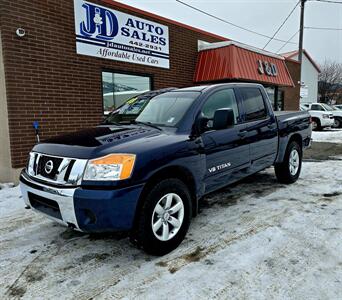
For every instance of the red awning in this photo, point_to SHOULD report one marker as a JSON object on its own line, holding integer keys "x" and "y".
{"x": 234, "y": 61}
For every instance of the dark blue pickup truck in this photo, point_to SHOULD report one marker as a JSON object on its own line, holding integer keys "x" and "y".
{"x": 147, "y": 176}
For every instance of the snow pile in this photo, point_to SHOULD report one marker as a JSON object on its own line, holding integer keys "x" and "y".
{"x": 10, "y": 200}
{"x": 6, "y": 185}
{"x": 328, "y": 135}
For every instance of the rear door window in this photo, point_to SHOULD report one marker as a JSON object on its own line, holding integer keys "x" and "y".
{"x": 254, "y": 104}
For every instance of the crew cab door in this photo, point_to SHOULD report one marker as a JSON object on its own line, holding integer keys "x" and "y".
{"x": 261, "y": 128}
{"x": 227, "y": 153}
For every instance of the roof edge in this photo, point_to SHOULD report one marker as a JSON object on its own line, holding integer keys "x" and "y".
{"x": 306, "y": 53}
{"x": 292, "y": 60}
{"x": 164, "y": 19}
{"x": 211, "y": 46}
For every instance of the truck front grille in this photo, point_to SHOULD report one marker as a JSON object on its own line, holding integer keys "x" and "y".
{"x": 57, "y": 170}
{"x": 53, "y": 163}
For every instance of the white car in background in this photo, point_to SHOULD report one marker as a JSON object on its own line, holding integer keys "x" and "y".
{"x": 320, "y": 119}
{"x": 338, "y": 106}
{"x": 325, "y": 108}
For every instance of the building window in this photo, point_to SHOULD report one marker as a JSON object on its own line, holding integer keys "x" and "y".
{"x": 270, "y": 90}
{"x": 118, "y": 87}
{"x": 276, "y": 97}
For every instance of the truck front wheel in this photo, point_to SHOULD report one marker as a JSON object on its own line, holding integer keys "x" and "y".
{"x": 164, "y": 217}
{"x": 316, "y": 124}
{"x": 288, "y": 171}
{"x": 337, "y": 123}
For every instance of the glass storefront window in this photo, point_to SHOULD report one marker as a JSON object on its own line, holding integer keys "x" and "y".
{"x": 118, "y": 87}
{"x": 271, "y": 95}
{"x": 276, "y": 97}
{"x": 280, "y": 100}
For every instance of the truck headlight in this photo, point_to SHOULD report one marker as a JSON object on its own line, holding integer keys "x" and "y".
{"x": 326, "y": 116}
{"x": 110, "y": 167}
{"x": 30, "y": 164}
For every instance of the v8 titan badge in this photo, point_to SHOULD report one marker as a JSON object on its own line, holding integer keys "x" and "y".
{"x": 219, "y": 167}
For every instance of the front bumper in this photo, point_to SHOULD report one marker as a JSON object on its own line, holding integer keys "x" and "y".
{"x": 83, "y": 209}
{"x": 327, "y": 122}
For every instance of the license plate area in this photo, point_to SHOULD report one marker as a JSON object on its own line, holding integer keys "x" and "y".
{"x": 44, "y": 205}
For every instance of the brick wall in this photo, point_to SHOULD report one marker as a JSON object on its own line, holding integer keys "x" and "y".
{"x": 292, "y": 95}
{"x": 47, "y": 81}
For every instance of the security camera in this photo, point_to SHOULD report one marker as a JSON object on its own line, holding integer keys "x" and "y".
{"x": 20, "y": 32}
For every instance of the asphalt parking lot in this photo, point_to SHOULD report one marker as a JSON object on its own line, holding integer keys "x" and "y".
{"x": 254, "y": 240}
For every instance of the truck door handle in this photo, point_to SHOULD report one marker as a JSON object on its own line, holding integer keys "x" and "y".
{"x": 270, "y": 126}
{"x": 242, "y": 134}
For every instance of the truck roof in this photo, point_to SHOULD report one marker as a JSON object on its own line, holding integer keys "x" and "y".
{"x": 201, "y": 88}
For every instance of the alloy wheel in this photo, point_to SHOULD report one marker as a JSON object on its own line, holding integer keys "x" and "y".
{"x": 167, "y": 217}
{"x": 294, "y": 162}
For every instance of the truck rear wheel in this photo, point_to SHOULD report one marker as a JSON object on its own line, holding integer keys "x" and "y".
{"x": 289, "y": 170}
{"x": 164, "y": 217}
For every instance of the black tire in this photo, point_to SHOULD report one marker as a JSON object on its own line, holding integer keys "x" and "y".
{"x": 282, "y": 170}
{"x": 143, "y": 235}
{"x": 318, "y": 126}
{"x": 337, "y": 123}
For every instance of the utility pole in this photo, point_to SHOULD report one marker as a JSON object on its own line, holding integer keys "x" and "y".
{"x": 301, "y": 30}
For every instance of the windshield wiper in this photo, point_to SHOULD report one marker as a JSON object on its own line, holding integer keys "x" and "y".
{"x": 107, "y": 122}
{"x": 146, "y": 124}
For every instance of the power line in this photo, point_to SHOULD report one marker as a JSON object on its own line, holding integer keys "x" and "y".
{"x": 230, "y": 23}
{"x": 322, "y": 28}
{"x": 328, "y": 1}
{"x": 306, "y": 27}
{"x": 282, "y": 24}
{"x": 288, "y": 41}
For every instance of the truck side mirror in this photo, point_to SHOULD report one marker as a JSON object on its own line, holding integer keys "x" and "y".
{"x": 223, "y": 118}
{"x": 201, "y": 124}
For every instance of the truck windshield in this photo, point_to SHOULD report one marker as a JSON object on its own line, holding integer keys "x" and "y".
{"x": 127, "y": 112}
{"x": 167, "y": 109}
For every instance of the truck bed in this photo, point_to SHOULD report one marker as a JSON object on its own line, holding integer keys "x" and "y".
{"x": 292, "y": 123}
{"x": 292, "y": 120}
{"x": 281, "y": 115}
{"x": 288, "y": 118}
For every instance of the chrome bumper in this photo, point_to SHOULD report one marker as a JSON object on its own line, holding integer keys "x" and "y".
{"x": 63, "y": 197}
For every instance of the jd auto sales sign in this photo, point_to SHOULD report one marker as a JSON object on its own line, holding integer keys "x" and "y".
{"x": 111, "y": 34}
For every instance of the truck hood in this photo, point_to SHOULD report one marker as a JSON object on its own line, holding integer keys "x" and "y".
{"x": 84, "y": 143}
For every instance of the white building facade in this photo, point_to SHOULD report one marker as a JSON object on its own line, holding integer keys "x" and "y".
{"x": 309, "y": 77}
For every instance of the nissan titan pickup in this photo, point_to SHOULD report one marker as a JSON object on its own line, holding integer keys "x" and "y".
{"x": 147, "y": 175}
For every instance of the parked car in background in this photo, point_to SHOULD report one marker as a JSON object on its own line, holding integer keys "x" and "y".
{"x": 320, "y": 119}
{"x": 337, "y": 114}
{"x": 338, "y": 106}
{"x": 148, "y": 176}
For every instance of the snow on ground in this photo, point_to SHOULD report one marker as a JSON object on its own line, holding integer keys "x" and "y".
{"x": 328, "y": 135}
{"x": 255, "y": 240}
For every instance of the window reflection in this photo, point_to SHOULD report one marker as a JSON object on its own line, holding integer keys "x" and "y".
{"x": 117, "y": 88}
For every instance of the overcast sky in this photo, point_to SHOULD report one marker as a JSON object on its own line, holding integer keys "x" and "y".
{"x": 263, "y": 16}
